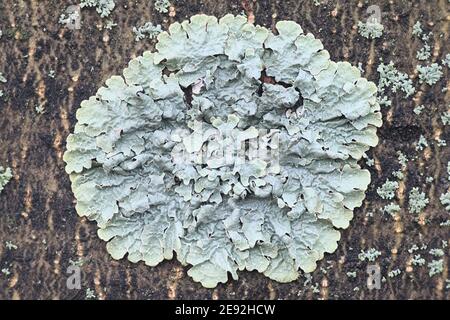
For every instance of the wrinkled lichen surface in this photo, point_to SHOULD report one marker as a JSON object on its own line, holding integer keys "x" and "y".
{"x": 149, "y": 159}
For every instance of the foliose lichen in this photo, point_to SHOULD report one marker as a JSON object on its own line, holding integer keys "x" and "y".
{"x": 429, "y": 74}
{"x": 103, "y": 7}
{"x": 148, "y": 30}
{"x": 445, "y": 200}
{"x": 162, "y": 6}
{"x": 392, "y": 78}
{"x": 387, "y": 190}
{"x": 371, "y": 29}
{"x": 231, "y": 146}
{"x": 417, "y": 200}
{"x": 5, "y": 177}
{"x": 370, "y": 255}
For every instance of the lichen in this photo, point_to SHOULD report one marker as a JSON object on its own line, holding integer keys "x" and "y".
{"x": 351, "y": 274}
{"x": 371, "y": 29}
{"x": 390, "y": 77}
{"x": 417, "y": 200}
{"x": 90, "y": 294}
{"x": 387, "y": 190}
{"x": 418, "y": 260}
{"x": 424, "y": 53}
{"x": 392, "y": 209}
{"x": 445, "y": 200}
{"x": 5, "y": 177}
{"x": 103, "y": 7}
{"x": 394, "y": 273}
{"x": 429, "y": 74}
{"x": 446, "y": 60}
{"x": 2, "y": 80}
{"x": 148, "y": 30}
{"x": 162, "y": 6}
{"x": 445, "y": 118}
{"x": 437, "y": 252}
{"x": 435, "y": 267}
{"x": 10, "y": 246}
{"x": 402, "y": 159}
{"x": 417, "y": 29}
{"x": 69, "y": 17}
{"x": 149, "y": 158}
{"x": 422, "y": 143}
{"x": 370, "y": 255}
{"x": 418, "y": 109}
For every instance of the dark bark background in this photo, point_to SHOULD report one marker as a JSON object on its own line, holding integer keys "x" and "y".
{"x": 37, "y": 210}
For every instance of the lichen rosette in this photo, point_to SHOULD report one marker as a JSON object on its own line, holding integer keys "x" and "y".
{"x": 149, "y": 159}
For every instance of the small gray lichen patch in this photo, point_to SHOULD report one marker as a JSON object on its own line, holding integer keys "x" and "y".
{"x": 5, "y": 177}
{"x": 387, "y": 190}
{"x": 417, "y": 200}
{"x": 103, "y": 7}
{"x": 162, "y": 6}
{"x": 445, "y": 200}
{"x": 392, "y": 78}
{"x": 371, "y": 29}
{"x": 148, "y": 30}
{"x": 429, "y": 74}
{"x": 231, "y": 146}
{"x": 370, "y": 255}
{"x": 2, "y": 80}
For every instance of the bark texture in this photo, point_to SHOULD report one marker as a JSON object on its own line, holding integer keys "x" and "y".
{"x": 37, "y": 211}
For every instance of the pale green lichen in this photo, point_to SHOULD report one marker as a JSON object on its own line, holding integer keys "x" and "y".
{"x": 398, "y": 174}
{"x": 90, "y": 294}
{"x": 5, "y": 177}
{"x": 417, "y": 200}
{"x": 392, "y": 209}
{"x": 148, "y": 30}
{"x": 437, "y": 252}
{"x": 402, "y": 159}
{"x": 103, "y": 7}
{"x": 388, "y": 189}
{"x": 417, "y": 29}
{"x": 445, "y": 223}
{"x": 429, "y": 74}
{"x": 445, "y": 118}
{"x": 418, "y": 109}
{"x": 435, "y": 267}
{"x": 371, "y": 29}
{"x": 162, "y": 6}
{"x": 351, "y": 274}
{"x": 390, "y": 77}
{"x": 6, "y": 271}
{"x": 441, "y": 142}
{"x": 10, "y": 246}
{"x": 394, "y": 273}
{"x": 418, "y": 260}
{"x": 413, "y": 248}
{"x": 69, "y": 17}
{"x": 446, "y": 60}
{"x": 424, "y": 53}
{"x": 448, "y": 170}
{"x": 147, "y": 159}
{"x": 2, "y": 80}
{"x": 445, "y": 200}
{"x": 422, "y": 143}
{"x": 429, "y": 179}
{"x": 370, "y": 255}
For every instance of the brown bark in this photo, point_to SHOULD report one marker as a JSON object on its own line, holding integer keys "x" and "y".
{"x": 37, "y": 210}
